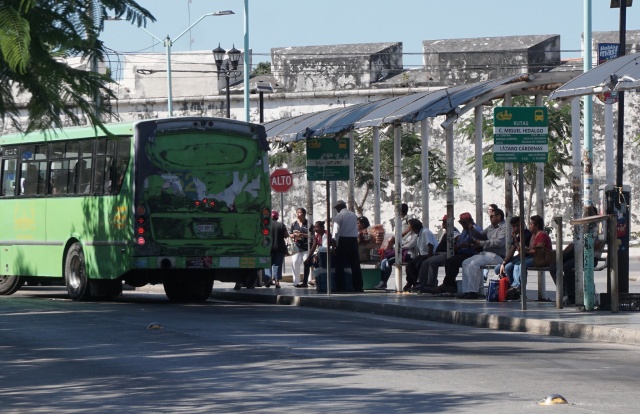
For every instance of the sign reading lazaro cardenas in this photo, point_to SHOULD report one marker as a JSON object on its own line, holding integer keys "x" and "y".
{"x": 328, "y": 159}
{"x": 520, "y": 134}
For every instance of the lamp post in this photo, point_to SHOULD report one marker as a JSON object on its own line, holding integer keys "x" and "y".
{"x": 619, "y": 200}
{"x": 168, "y": 42}
{"x": 262, "y": 88}
{"x": 622, "y": 5}
{"x": 234, "y": 57}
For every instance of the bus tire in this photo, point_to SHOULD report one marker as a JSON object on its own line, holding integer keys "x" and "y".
{"x": 175, "y": 288}
{"x": 75, "y": 274}
{"x": 10, "y": 284}
{"x": 199, "y": 288}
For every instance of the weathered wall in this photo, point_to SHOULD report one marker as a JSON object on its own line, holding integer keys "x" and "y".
{"x": 335, "y": 67}
{"x": 457, "y": 61}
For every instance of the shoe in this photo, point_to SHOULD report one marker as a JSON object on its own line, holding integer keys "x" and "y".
{"x": 442, "y": 289}
{"x": 417, "y": 288}
{"x": 407, "y": 287}
{"x": 268, "y": 283}
{"x": 301, "y": 285}
{"x": 312, "y": 283}
{"x": 513, "y": 293}
{"x": 469, "y": 295}
{"x": 238, "y": 286}
{"x": 381, "y": 286}
{"x": 278, "y": 286}
{"x": 427, "y": 289}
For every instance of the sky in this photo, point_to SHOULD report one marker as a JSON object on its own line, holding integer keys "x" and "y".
{"x": 278, "y": 23}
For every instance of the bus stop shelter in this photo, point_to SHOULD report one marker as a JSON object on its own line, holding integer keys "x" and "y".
{"x": 449, "y": 103}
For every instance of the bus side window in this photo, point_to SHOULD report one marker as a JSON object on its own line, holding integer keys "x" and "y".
{"x": 59, "y": 177}
{"x": 8, "y": 178}
{"x": 29, "y": 179}
{"x": 82, "y": 177}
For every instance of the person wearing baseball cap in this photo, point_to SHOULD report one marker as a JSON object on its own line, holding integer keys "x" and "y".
{"x": 279, "y": 233}
{"x": 346, "y": 238}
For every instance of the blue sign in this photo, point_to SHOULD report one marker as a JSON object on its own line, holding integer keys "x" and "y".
{"x": 607, "y": 51}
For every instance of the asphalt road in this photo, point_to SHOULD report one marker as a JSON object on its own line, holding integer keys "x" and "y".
{"x": 61, "y": 356}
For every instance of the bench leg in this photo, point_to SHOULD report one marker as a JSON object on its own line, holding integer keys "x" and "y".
{"x": 542, "y": 286}
{"x": 398, "y": 270}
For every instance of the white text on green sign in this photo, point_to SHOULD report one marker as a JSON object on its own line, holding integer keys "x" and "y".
{"x": 328, "y": 159}
{"x": 520, "y": 134}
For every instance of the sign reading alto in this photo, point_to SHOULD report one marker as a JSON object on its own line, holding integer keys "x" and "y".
{"x": 328, "y": 159}
{"x": 520, "y": 134}
{"x": 281, "y": 180}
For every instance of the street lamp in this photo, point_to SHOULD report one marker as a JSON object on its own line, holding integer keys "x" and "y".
{"x": 234, "y": 57}
{"x": 623, "y": 248}
{"x": 262, "y": 88}
{"x": 622, "y": 5}
{"x": 168, "y": 42}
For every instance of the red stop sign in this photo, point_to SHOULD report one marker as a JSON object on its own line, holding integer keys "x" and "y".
{"x": 281, "y": 180}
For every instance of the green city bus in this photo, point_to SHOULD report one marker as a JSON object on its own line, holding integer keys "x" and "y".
{"x": 178, "y": 201}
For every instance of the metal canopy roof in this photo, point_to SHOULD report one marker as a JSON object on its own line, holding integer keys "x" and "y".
{"x": 407, "y": 108}
{"x": 615, "y": 75}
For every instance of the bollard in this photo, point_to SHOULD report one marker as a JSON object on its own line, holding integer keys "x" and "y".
{"x": 398, "y": 269}
{"x": 559, "y": 264}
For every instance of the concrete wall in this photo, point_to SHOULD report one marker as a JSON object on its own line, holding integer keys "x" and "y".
{"x": 336, "y": 67}
{"x": 458, "y": 61}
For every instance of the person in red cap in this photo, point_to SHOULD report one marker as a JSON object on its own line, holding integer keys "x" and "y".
{"x": 464, "y": 248}
{"x": 279, "y": 233}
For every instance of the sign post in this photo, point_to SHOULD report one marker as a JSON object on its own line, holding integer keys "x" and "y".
{"x": 521, "y": 134}
{"x": 328, "y": 160}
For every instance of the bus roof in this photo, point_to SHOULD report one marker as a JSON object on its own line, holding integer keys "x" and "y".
{"x": 120, "y": 128}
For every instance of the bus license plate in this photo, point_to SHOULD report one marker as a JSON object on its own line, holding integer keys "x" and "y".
{"x": 206, "y": 228}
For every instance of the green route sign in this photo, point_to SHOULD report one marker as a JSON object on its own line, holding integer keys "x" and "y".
{"x": 328, "y": 159}
{"x": 520, "y": 134}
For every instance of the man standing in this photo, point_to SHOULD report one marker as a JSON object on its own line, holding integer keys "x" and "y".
{"x": 346, "y": 238}
{"x": 492, "y": 240}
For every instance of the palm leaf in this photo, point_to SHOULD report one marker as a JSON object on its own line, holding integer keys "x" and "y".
{"x": 14, "y": 39}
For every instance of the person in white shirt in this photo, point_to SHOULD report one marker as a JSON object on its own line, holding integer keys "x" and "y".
{"x": 346, "y": 239}
{"x": 425, "y": 246}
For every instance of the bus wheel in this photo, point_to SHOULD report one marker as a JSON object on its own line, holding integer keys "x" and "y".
{"x": 175, "y": 289}
{"x": 75, "y": 274}
{"x": 200, "y": 288}
{"x": 10, "y": 284}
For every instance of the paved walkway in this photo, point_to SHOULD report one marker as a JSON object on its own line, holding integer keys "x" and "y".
{"x": 541, "y": 317}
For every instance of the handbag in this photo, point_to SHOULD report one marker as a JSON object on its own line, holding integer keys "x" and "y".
{"x": 292, "y": 247}
{"x": 543, "y": 257}
{"x": 493, "y": 289}
{"x": 504, "y": 285}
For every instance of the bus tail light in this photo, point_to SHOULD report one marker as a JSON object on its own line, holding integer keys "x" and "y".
{"x": 141, "y": 225}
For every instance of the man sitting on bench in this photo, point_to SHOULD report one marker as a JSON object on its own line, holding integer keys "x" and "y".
{"x": 492, "y": 241}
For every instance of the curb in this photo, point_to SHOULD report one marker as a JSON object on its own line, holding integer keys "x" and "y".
{"x": 504, "y": 323}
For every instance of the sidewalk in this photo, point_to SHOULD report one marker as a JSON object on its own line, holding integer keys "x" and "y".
{"x": 540, "y": 318}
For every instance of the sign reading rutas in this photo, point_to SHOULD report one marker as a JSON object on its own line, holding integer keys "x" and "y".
{"x": 328, "y": 159}
{"x": 520, "y": 134}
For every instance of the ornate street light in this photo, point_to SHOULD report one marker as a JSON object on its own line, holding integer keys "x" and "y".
{"x": 234, "y": 57}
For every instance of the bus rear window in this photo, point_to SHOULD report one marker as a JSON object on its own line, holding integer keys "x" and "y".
{"x": 211, "y": 152}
